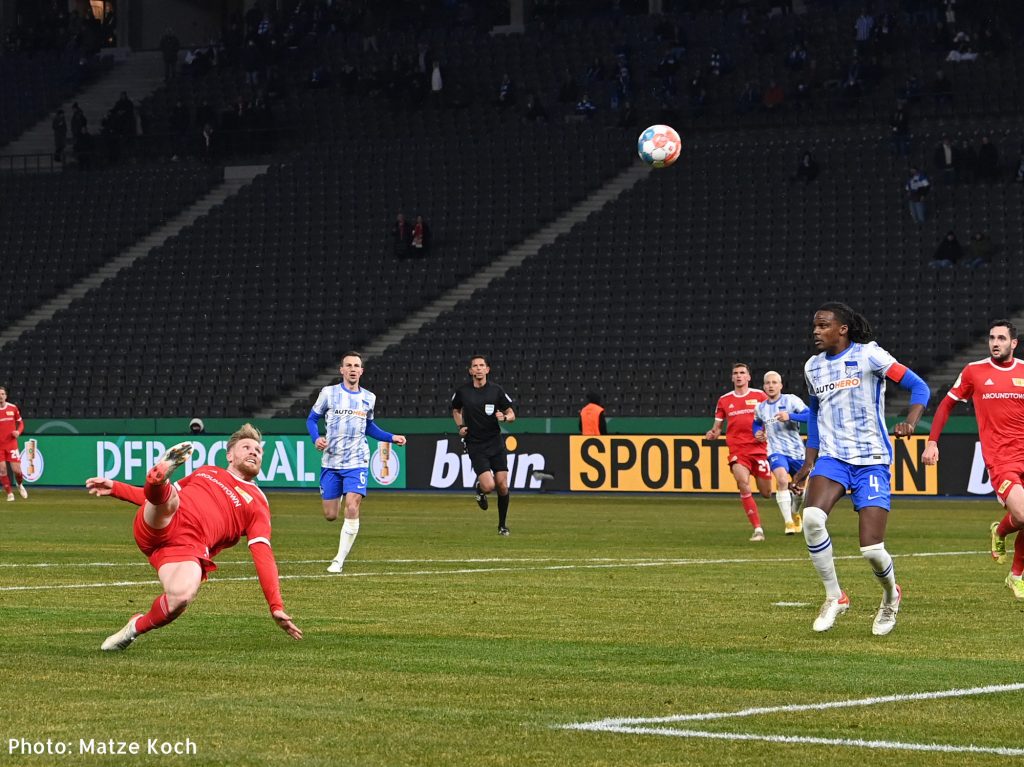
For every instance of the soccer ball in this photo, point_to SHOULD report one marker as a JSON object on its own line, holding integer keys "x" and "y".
{"x": 659, "y": 146}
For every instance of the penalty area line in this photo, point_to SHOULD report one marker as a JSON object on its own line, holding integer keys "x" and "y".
{"x": 603, "y": 724}
{"x": 889, "y": 745}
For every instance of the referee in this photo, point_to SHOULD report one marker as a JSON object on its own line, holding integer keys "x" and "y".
{"x": 478, "y": 408}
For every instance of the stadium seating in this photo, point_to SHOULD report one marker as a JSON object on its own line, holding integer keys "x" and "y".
{"x": 59, "y": 228}
{"x": 271, "y": 286}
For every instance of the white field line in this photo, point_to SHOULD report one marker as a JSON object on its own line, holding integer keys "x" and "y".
{"x": 469, "y": 560}
{"x": 643, "y": 726}
{"x": 890, "y": 745}
{"x": 603, "y": 564}
{"x": 824, "y": 706}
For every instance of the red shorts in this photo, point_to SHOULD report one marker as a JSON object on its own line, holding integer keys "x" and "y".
{"x": 9, "y": 454}
{"x": 756, "y": 463}
{"x": 1003, "y": 477}
{"x": 180, "y": 541}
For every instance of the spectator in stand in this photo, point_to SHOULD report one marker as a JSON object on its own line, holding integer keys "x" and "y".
{"x": 987, "y": 168}
{"x": 208, "y": 140}
{"x": 899, "y": 125}
{"x": 911, "y": 90}
{"x": 251, "y": 63}
{"x": 698, "y": 96}
{"x": 863, "y": 28}
{"x": 716, "y": 63}
{"x": 585, "y": 108}
{"x": 506, "y": 91}
{"x": 123, "y": 116}
{"x": 962, "y": 50}
{"x": 401, "y": 234}
{"x": 966, "y": 162}
{"x": 627, "y": 115}
{"x": 945, "y": 159}
{"x": 796, "y": 59}
{"x": 436, "y": 83}
{"x": 419, "y": 242}
{"x": 750, "y": 98}
{"x": 807, "y": 169}
{"x": 1018, "y": 177}
{"x": 78, "y": 122}
{"x": 534, "y": 110}
{"x": 60, "y": 135}
{"x": 885, "y": 33}
{"x": 990, "y": 41}
{"x": 568, "y": 91}
{"x": 773, "y": 97}
{"x": 948, "y": 253}
{"x": 595, "y": 72}
{"x": 979, "y": 251}
{"x": 206, "y": 114}
{"x": 181, "y": 124}
{"x": 170, "y": 45}
{"x": 801, "y": 94}
{"x": 917, "y": 187}
{"x": 942, "y": 89}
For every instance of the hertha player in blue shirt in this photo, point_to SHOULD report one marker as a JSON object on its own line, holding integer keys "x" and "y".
{"x": 348, "y": 410}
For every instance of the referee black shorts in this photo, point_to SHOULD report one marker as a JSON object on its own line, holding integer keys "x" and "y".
{"x": 488, "y": 456}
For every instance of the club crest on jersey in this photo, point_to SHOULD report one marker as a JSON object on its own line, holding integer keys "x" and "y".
{"x": 489, "y": 409}
{"x": 750, "y": 402}
{"x": 245, "y": 495}
{"x": 1018, "y": 381}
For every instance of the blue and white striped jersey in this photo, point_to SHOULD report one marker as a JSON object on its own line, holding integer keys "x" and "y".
{"x": 783, "y": 436}
{"x": 346, "y": 413}
{"x": 850, "y": 389}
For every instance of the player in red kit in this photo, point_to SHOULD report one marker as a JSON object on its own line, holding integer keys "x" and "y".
{"x": 181, "y": 527}
{"x": 996, "y": 386}
{"x": 11, "y": 427}
{"x": 747, "y": 457}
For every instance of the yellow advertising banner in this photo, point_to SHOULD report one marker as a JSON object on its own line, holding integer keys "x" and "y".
{"x": 692, "y": 464}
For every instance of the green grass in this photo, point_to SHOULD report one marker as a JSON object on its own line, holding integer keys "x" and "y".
{"x": 411, "y": 660}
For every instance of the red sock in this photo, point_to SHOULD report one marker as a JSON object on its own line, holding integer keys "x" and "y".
{"x": 19, "y": 478}
{"x": 1017, "y": 568}
{"x": 6, "y": 482}
{"x": 750, "y": 508}
{"x": 157, "y": 494}
{"x": 158, "y": 615}
{"x": 1006, "y": 526}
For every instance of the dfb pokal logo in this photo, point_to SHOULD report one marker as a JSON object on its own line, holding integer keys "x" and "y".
{"x": 384, "y": 464}
{"x": 32, "y": 461}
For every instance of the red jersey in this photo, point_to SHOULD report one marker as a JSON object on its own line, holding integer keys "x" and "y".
{"x": 11, "y": 426}
{"x": 222, "y": 508}
{"x": 998, "y": 395}
{"x": 738, "y": 413}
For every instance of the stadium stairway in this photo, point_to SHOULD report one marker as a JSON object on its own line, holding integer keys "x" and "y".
{"x": 138, "y": 74}
{"x": 299, "y": 395}
{"x": 235, "y": 178}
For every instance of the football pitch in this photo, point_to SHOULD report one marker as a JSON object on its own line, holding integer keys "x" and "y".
{"x": 606, "y": 630}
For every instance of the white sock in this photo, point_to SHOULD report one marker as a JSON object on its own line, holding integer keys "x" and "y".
{"x": 785, "y": 500}
{"x": 349, "y": 531}
{"x": 881, "y": 564}
{"x": 819, "y": 546}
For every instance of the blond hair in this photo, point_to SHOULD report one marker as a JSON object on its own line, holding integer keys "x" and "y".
{"x": 245, "y": 431}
